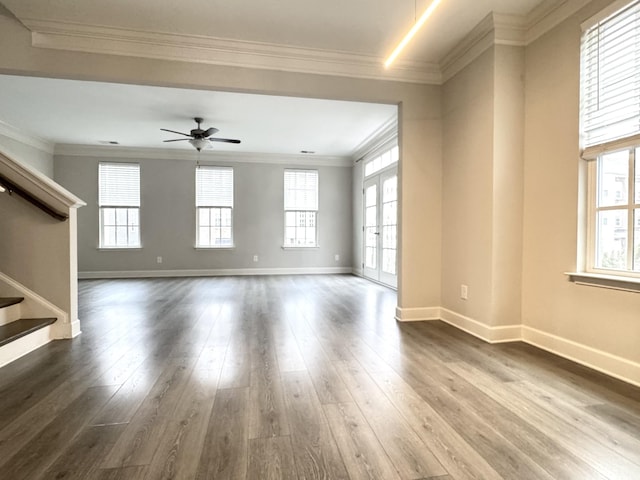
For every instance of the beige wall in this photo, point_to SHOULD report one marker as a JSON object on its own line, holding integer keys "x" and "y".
{"x": 514, "y": 204}
{"x": 508, "y": 181}
{"x": 467, "y": 200}
{"x": 33, "y": 243}
{"x": 482, "y": 187}
{"x": 606, "y": 320}
{"x": 420, "y": 129}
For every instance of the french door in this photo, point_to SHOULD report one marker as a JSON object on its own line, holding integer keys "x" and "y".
{"x": 381, "y": 227}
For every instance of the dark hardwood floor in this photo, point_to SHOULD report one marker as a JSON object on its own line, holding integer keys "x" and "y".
{"x": 305, "y": 377}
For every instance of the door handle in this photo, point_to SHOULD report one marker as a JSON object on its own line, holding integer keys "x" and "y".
{"x": 376, "y": 233}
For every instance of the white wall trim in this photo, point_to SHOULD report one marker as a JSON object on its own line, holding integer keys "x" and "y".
{"x": 420, "y": 314}
{"x": 490, "y": 334}
{"x": 383, "y": 135}
{"x": 222, "y": 272}
{"x": 599, "y": 360}
{"x": 113, "y": 152}
{"x": 26, "y": 139}
{"x": 72, "y": 329}
{"x": 220, "y": 51}
{"x": 496, "y": 28}
{"x": 27, "y": 344}
{"x": 501, "y": 29}
{"x": 549, "y": 14}
{"x": 38, "y": 183}
{"x": 474, "y": 44}
{"x": 33, "y": 304}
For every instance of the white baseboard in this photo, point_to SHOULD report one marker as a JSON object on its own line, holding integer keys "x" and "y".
{"x": 598, "y": 360}
{"x": 213, "y": 273}
{"x": 604, "y": 362}
{"x": 417, "y": 314}
{"x": 507, "y": 333}
{"x": 66, "y": 330}
{"x": 21, "y": 346}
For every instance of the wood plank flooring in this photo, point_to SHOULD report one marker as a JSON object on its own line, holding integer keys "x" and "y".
{"x": 305, "y": 377}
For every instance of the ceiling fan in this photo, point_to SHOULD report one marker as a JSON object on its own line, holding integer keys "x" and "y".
{"x": 200, "y": 138}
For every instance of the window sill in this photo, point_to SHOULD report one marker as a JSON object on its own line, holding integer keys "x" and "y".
{"x": 615, "y": 282}
{"x": 118, "y": 249}
{"x": 317, "y": 247}
{"x": 230, "y": 247}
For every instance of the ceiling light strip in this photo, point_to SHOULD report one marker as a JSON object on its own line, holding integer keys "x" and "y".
{"x": 427, "y": 13}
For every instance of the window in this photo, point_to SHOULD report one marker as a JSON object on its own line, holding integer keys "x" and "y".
{"x": 119, "y": 205}
{"x": 610, "y": 124}
{"x": 379, "y": 162}
{"x": 615, "y": 246}
{"x": 214, "y": 207}
{"x": 300, "y": 208}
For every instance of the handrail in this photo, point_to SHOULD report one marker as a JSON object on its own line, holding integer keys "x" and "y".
{"x": 13, "y": 188}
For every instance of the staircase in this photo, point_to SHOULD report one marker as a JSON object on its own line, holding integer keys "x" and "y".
{"x": 17, "y": 333}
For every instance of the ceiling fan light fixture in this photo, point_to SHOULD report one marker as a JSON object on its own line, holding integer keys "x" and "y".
{"x": 407, "y": 38}
{"x": 199, "y": 143}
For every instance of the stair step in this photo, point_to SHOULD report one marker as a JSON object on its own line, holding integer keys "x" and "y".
{"x": 14, "y": 330}
{"x": 8, "y": 301}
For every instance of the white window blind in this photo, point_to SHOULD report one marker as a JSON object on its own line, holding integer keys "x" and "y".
{"x": 214, "y": 187}
{"x": 119, "y": 185}
{"x": 301, "y": 190}
{"x": 610, "y": 79}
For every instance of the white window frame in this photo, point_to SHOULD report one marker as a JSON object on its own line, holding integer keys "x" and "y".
{"x": 215, "y": 209}
{"x": 382, "y": 159}
{"x": 630, "y": 207}
{"x": 119, "y": 208}
{"x": 605, "y": 142}
{"x": 296, "y": 212}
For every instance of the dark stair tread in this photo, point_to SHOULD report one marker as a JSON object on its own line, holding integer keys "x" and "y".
{"x": 14, "y": 330}
{"x": 8, "y": 301}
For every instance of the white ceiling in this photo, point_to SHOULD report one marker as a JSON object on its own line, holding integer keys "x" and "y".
{"x": 88, "y": 113}
{"x": 371, "y": 27}
{"x": 74, "y": 112}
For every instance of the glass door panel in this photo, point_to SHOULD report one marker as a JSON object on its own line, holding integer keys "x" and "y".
{"x": 371, "y": 233}
{"x": 389, "y": 222}
{"x": 381, "y": 227}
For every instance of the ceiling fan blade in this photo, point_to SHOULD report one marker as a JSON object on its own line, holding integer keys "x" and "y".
{"x": 176, "y": 140}
{"x": 173, "y": 131}
{"x": 224, "y": 140}
{"x": 210, "y": 131}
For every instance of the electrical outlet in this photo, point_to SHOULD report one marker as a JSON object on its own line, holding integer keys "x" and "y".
{"x": 159, "y": 259}
{"x": 255, "y": 258}
{"x": 336, "y": 257}
{"x": 464, "y": 292}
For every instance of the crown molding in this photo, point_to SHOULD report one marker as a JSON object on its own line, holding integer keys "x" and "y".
{"x": 119, "y": 152}
{"x": 219, "y": 51}
{"x": 476, "y": 42}
{"x": 549, "y": 14}
{"x": 26, "y": 139}
{"x": 494, "y": 29}
{"x": 383, "y": 135}
{"x": 513, "y": 30}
